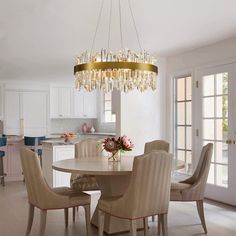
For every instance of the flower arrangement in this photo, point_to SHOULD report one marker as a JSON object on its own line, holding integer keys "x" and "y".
{"x": 116, "y": 145}
{"x": 68, "y": 136}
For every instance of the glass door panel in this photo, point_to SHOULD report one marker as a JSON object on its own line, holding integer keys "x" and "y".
{"x": 217, "y": 121}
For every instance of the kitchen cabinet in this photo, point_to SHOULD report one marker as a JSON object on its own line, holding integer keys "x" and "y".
{"x": 12, "y": 115}
{"x": 52, "y": 153}
{"x": 25, "y": 113}
{"x": 34, "y": 113}
{"x": 85, "y": 104}
{"x": 60, "y": 102}
{"x": 11, "y": 161}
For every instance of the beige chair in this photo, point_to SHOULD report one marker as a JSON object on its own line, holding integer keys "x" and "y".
{"x": 84, "y": 149}
{"x": 193, "y": 188}
{"x": 156, "y": 145}
{"x": 148, "y": 193}
{"x": 40, "y": 195}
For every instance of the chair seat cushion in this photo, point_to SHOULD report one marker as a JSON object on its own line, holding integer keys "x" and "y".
{"x": 105, "y": 204}
{"x": 2, "y": 153}
{"x": 176, "y": 190}
{"x": 84, "y": 182}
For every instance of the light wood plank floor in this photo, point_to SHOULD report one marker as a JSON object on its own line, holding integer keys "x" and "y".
{"x": 183, "y": 218}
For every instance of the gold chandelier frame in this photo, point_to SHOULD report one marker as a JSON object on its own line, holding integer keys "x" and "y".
{"x": 133, "y": 66}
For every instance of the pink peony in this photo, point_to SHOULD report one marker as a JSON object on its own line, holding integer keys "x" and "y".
{"x": 127, "y": 143}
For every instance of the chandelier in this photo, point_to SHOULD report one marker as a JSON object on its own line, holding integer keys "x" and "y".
{"x": 123, "y": 71}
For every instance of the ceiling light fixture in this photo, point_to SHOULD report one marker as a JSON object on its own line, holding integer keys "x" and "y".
{"x": 124, "y": 71}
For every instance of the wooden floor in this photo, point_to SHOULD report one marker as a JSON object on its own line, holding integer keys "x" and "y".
{"x": 183, "y": 218}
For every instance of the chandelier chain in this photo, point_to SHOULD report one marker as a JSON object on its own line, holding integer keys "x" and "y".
{"x": 121, "y": 33}
{"x": 135, "y": 27}
{"x": 98, "y": 22}
{"x": 109, "y": 28}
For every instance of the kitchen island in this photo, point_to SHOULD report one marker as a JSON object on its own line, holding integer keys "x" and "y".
{"x": 57, "y": 150}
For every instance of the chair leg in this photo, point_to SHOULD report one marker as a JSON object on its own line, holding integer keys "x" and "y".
{"x": 200, "y": 209}
{"x": 43, "y": 218}
{"x": 164, "y": 225}
{"x": 73, "y": 214}
{"x": 159, "y": 225}
{"x": 30, "y": 219}
{"x": 87, "y": 218}
{"x": 145, "y": 225}
{"x": 3, "y": 181}
{"x": 101, "y": 217}
{"x": 133, "y": 227}
{"x": 66, "y": 217}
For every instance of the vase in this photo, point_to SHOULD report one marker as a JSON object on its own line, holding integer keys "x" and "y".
{"x": 115, "y": 157}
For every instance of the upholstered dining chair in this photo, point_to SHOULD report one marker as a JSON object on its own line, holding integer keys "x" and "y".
{"x": 193, "y": 188}
{"x": 148, "y": 193}
{"x": 156, "y": 145}
{"x": 40, "y": 195}
{"x": 85, "y": 149}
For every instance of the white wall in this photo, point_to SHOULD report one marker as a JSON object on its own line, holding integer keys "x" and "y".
{"x": 219, "y": 53}
{"x": 142, "y": 115}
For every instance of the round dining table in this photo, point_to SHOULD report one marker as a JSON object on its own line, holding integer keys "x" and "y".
{"x": 113, "y": 180}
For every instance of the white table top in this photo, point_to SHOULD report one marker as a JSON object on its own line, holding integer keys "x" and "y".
{"x": 101, "y": 166}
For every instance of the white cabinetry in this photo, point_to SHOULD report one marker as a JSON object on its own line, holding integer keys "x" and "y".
{"x": 34, "y": 113}
{"x": 12, "y": 163}
{"x": 52, "y": 153}
{"x": 60, "y": 102}
{"x": 12, "y": 121}
{"x": 85, "y": 104}
{"x": 25, "y": 113}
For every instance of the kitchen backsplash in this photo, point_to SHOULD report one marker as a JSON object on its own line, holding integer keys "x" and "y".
{"x": 70, "y": 125}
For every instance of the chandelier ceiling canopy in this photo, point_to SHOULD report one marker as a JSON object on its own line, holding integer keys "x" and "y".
{"x": 123, "y": 71}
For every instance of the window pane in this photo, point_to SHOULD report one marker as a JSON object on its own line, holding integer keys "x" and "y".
{"x": 222, "y": 83}
{"x": 221, "y": 129}
{"x": 113, "y": 118}
{"x": 222, "y": 106}
{"x": 181, "y": 89}
{"x": 208, "y": 85}
{"x": 108, "y": 96}
{"x": 108, "y": 105}
{"x": 208, "y": 129}
{"x": 189, "y": 88}
{"x": 189, "y": 113}
{"x": 189, "y": 157}
{"x": 221, "y": 152}
{"x": 181, "y": 138}
{"x": 108, "y": 116}
{"x": 208, "y": 107}
{"x": 181, "y": 113}
{"x": 189, "y": 138}
{"x": 222, "y": 175}
{"x": 211, "y": 175}
{"x": 181, "y": 155}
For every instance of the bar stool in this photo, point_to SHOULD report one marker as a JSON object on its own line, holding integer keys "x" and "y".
{"x": 3, "y": 142}
{"x": 34, "y": 143}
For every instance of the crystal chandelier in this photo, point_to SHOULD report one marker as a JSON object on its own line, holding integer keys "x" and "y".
{"x": 123, "y": 71}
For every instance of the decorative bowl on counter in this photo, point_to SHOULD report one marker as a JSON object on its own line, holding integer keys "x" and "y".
{"x": 68, "y": 137}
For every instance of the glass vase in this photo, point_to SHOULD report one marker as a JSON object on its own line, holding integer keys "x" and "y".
{"x": 115, "y": 157}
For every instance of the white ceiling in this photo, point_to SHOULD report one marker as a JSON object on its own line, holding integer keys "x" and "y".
{"x": 40, "y": 38}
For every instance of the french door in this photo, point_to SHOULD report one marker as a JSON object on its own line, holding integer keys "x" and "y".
{"x": 216, "y": 123}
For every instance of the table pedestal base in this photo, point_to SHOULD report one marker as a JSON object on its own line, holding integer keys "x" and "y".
{"x": 112, "y": 186}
